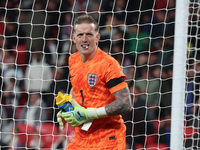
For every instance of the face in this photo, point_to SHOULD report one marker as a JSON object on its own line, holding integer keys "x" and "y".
{"x": 86, "y": 38}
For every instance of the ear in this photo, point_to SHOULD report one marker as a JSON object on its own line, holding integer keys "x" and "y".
{"x": 98, "y": 38}
{"x": 73, "y": 38}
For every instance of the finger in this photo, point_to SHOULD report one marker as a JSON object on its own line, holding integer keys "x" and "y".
{"x": 66, "y": 115}
{"x": 71, "y": 121}
{"x": 74, "y": 124}
{"x": 59, "y": 119}
{"x": 59, "y": 114}
{"x": 60, "y": 123}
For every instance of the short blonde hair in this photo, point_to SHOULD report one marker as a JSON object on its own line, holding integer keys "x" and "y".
{"x": 86, "y": 19}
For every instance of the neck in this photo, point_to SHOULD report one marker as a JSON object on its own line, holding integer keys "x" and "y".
{"x": 87, "y": 57}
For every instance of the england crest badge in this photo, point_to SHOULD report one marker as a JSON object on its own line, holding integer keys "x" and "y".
{"x": 92, "y": 79}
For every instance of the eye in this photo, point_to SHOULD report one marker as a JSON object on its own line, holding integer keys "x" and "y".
{"x": 79, "y": 35}
{"x": 89, "y": 34}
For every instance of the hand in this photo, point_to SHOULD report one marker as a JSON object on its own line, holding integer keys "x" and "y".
{"x": 78, "y": 116}
{"x": 60, "y": 120}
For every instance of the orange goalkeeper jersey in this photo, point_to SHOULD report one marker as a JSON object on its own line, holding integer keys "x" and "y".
{"x": 89, "y": 81}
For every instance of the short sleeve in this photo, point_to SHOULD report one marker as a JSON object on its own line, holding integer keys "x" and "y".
{"x": 114, "y": 71}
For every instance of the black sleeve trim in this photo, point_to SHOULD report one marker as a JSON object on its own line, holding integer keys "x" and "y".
{"x": 114, "y": 82}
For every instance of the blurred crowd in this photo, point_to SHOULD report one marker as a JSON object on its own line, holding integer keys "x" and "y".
{"x": 35, "y": 43}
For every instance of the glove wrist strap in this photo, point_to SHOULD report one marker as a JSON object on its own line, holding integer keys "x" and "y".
{"x": 96, "y": 112}
{"x": 91, "y": 113}
{"x": 101, "y": 112}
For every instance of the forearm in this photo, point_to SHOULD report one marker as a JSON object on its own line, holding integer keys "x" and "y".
{"x": 121, "y": 105}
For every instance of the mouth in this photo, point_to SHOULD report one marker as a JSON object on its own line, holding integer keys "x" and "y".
{"x": 85, "y": 46}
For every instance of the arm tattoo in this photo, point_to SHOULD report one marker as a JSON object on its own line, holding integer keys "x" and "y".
{"x": 121, "y": 105}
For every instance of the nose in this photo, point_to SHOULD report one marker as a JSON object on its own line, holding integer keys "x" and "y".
{"x": 84, "y": 38}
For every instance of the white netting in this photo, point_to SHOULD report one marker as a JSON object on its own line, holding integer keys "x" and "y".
{"x": 192, "y": 78}
{"x": 35, "y": 43}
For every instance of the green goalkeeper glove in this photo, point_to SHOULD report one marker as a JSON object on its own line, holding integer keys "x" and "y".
{"x": 60, "y": 120}
{"x": 79, "y": 115}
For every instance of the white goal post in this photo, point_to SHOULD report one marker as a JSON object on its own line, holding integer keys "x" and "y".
{"x": 179, "y": 74}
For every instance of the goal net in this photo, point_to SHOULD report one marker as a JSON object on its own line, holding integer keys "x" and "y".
{"x": 35, "y": 44}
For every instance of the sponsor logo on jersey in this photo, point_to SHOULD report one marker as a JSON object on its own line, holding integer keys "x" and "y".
{"x": 92, "y": 79}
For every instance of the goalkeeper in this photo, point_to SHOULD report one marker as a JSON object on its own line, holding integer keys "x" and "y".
{"x": 99, "y": 93}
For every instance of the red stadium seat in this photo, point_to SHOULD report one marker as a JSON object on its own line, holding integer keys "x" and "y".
{"x": 189, "y": 132}
{"x": 139, "y": 147}
{"x": 24, "y": 133}
{"x": 151, "y": 139}
{"x": 48, "y": 133}
{"x": 21, "y": 56}
{"x": 156, "y": 125}
{"x": 157, "y": 147}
